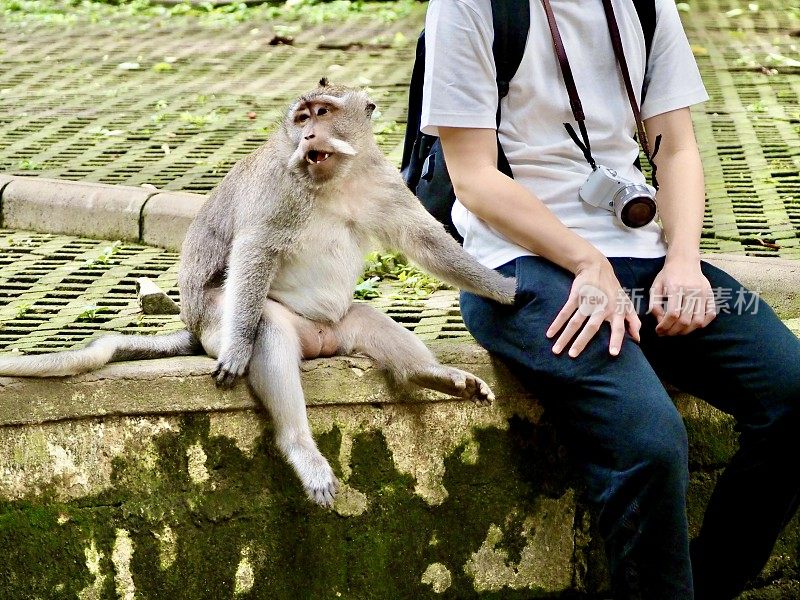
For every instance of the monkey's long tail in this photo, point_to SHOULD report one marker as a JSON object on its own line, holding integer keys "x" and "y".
{"x": 101, "y": 351}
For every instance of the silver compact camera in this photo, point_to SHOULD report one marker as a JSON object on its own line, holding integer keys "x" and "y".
{"x": 633, "y": 203}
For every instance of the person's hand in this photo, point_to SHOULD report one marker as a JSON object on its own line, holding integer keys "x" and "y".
{"x": 596, "y": 296}
{"x": 681, "y": 298}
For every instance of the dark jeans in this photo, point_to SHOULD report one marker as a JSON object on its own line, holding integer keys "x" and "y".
{"x": 630, "y": 441}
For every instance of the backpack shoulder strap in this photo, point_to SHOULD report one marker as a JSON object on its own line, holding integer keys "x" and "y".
{"x": 646, "y": 9}
{"x": 511, "y": 20}
{"x": 414, "y": 113}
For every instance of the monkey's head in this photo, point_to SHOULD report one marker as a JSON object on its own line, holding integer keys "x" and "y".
{"x": 329, "y": 127}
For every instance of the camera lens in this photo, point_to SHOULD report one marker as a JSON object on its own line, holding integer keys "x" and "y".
{"x": 638, "y": 212}
{"x": 635, "y": 206}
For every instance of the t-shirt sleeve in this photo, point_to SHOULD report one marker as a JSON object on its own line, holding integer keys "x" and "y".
{"x": 460, "y": 88}
{"x": 673, "y": 79}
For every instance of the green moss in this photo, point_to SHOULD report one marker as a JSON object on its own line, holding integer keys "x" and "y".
{"x": 258, "y": 502}
{"x": 297, "y": 550}
{"x": 39, "y": 554}
{"x": 712, "y": 442}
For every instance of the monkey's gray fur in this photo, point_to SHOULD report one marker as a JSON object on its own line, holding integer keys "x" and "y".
{"x": 269, "y": 266}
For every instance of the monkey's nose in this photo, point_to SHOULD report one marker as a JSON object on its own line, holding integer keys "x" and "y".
{"x": 310, "y": 136}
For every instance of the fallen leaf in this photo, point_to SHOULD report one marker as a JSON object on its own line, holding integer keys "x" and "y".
{"x": 282, "y": 40}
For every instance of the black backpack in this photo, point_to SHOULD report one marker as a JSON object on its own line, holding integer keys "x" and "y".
{"x": 423, "y": 167}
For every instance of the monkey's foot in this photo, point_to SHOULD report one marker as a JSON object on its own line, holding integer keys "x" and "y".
{"x": 456, "y": 383}
{"x": 314, "y": 472}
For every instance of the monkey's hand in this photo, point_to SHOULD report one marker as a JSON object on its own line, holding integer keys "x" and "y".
{"x": 232, "y": 364}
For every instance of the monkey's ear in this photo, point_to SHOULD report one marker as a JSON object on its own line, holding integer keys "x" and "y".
{"x": 370, "y": 109}
{"x": 323, "y": 82}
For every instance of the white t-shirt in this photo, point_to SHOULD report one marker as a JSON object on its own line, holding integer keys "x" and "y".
{"x": 460, "y": 91}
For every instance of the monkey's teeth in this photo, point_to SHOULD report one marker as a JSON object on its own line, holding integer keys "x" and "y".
{"x": 315, "y": 156}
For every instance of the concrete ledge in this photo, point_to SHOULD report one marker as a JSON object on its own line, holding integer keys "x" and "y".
{"x": 166, "y": 217}
{"x": 87, "y": 209}
{"x": 777, "y": 280}
{"x": 184, "y": 385}
{"x": 143, "y": 473}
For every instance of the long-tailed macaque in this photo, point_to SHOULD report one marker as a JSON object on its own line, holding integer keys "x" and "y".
{"x": 270, "y": 263}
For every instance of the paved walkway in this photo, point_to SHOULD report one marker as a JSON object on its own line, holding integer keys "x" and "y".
{"x": 174, "y": 102}
{"x": 59, "y": 291}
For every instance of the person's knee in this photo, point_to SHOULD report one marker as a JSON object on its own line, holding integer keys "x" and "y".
{"x": 668, "y": 457}
{"x": 663, "y": 452}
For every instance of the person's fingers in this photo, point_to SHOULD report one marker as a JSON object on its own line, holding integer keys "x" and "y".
{"x": 617, "y": 333}
{"x": 684, "y": 322}
{"x": 673, "y": 311}
{"x": 711, "y": 308}
{"x": 587, "y": 333}
{"x": 573, "y": 326}
{"x": 634, "y": 324}
{"x": 699, "y": 312}
{"x": 564, "y": 314}
{"x": 655, "y": 306}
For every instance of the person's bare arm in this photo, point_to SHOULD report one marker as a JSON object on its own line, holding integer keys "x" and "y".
{"x": 681, "y": 297}
{"x": 519, "y": 215}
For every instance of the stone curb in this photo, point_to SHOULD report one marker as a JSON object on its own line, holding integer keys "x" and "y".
{"x": 75, "y": 208}
{"x": 776, "y": 280}
{"x": 166, "y": 217}
{"x": 4, "y": 181}
{"x": 97, "y": 210}
{"x": 184, "y": 385}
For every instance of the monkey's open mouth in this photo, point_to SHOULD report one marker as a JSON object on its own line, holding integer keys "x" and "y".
{"x": 317, "y": 156}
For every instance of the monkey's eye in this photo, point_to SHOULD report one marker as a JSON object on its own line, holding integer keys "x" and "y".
{"x": 322, "y": 111}
{"x": 303, "y": 118}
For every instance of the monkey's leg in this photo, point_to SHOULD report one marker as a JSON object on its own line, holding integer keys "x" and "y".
{"x": 365, "y": 329}
{"x": 274, "y": 375}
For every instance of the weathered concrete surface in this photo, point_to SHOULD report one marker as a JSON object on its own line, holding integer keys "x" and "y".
{"x": 167, "y": 216}
{"x": 183, "y": 385}
{"x": 776, "y": 280}
{"x": 60, "y": 206}
{"x": 144, "y": 481}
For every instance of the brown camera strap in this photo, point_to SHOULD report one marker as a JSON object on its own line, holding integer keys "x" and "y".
{"x": 572, "y": 90}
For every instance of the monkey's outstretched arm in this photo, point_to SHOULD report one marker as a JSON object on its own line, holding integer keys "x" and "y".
{"x": 251, "y": 268}
{"x": 408, "y": 227}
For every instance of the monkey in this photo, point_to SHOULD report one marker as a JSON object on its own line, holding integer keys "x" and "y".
{"x": 269, "y": 265}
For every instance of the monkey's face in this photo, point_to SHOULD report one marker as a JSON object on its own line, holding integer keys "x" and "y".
{"x": 328, "y": 132}
{"x": 321, "y": 149}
